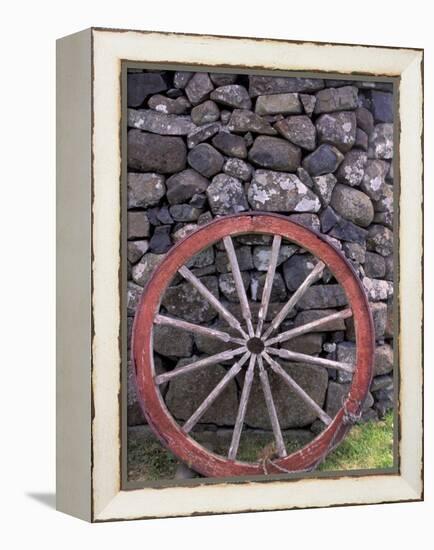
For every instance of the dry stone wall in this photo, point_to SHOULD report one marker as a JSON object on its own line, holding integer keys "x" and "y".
{"x": 202, "y": 145}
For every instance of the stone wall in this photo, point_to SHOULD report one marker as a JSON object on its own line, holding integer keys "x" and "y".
{"x": 319, "y": 151}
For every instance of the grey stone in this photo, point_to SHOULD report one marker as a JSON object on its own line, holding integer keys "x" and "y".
{"x": 382, "y": 382}
{"x": 198, "y": 200}
{"x": 352, "y": 169}
{"x": 153, "y": 153}
{"x": 304, "y": 317}
{"x": 384, "y": 218}
{"x": 198, "y": 88}
{"x": 323, "y": 160}
{"x": 244, "y": 258}
{"x": 140, "y": 85}
{"x": 389, "y": 274}
{"x": 144, "y": 269}
{"x": 278, "y": 291}
{"x": 163, "y": 216}
{"x": 233, "y": 146}
{"x": 248, "y": 138}
{"x": 183, "y": 231}
{"x": 138, "y": 225}
{"x": 385, "y": 203}
{"x": 292, "y": 411}
{"x": 203, "y": 259}
{"x": 134, "y": 412}
{"x": 187, "y": 392}
{"x": 308, "y": 102}
{"x": 309, "y": 344}
{"x": 278, "y": 103}
{"x": 227, "y": 285}
{"x": 345, "y": 230}
{"x": 382, "y": 106}
{"x": 379, "y": 316}
{"x": 264, "y": 85}
{"x": 310, "y": 221}
{"x": 275, "y": 153}
{"x": 160, "y": 241}
{"x": 262, "y": 254}
{"x": 374, "y": 266}
{"x": 232, "y": 95}
{"x": 184, "y": 212}
{"x": 160, "y": 123}
{"x": 254, "y": 239}
{"x": 212, "y": 346}
{"x": 346, "y": 353}
{"x": 136, "y": 249}
{"x": 323, "y": 297}
{"x": 243, "y": 121}
{"x": 352, "y": 205}
{"x": 184, "y": 301}
{"x": 182, "y": 186}
{"x": 336, "y": 99}
{"x": 305, "y": 177}
{"x": 329, "y": 219}
{"x": 181, "y": 78}
{"x": 277, "y": 191}
{"x": 381, "y": 142}
{"x": 205, "y": 113}
{"x": 373, "y": 182}
{"x": 355, "y": 252}
{"x": 323, "y": 187}
{"x": 237, "y": 168}
{"x": 383, "y": 360}
{"x": 296, "y": 269}
{"x": 361, "y": 140}
{"x": 337, "y": 129}
{"x": 205, "y": 159}
{"x": 172, "y": 342}
{"x": 380, "y": 240}
{"x": 169, "y": 106}
{"x": 365, "y": 120}
{"x": 299, "y": 130}
{"x": 223, "y": 79}
{"x": 336, "y": 394}
{"x": 225, "y": 116}
{"x": 377, "y": 289}
{"x": 145, "y": 189}
{"x": 226, "y": 195}
{"x": 202, "y": 133}
{"x": 134, "y": 293}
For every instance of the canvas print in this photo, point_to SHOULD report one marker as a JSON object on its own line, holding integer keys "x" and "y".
{"x": 259, "y": 276}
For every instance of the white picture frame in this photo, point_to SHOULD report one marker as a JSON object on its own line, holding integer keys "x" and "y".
{"x": 89, "y": 169}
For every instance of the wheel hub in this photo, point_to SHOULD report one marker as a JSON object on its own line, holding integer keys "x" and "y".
{"x": 255, "y": 345}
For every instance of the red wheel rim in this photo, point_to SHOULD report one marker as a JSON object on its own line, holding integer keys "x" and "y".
{"x": 159, "y": 418}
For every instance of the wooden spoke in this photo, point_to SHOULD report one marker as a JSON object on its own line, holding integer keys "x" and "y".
{"x": 310, "y": 279}
{"x": 241, "y": 291}
{"x": 206, "y": 403}
{"x": 201, "y": 288}
{"x": 272, "y": 413}
{"x": 206, "y": 331}
{"x": 211, "y": 360}
{"x": 248, "y": 379}
{"x": 310, "y": 359}
{"x": 308, "y": 327}
{"x": 268, "y": 285}
{"x": 298, "y": 389}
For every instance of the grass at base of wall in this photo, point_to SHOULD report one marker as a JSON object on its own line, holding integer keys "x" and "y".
{"x": 367, "y": 446}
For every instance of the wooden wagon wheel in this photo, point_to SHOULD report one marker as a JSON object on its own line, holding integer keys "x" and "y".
{"x": 256, "y": 347}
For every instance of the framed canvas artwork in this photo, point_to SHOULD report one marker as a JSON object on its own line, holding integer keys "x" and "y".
{"x": 239, "y": 274}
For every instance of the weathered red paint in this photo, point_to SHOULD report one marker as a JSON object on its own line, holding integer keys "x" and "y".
{"x": 154, "y": 408}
